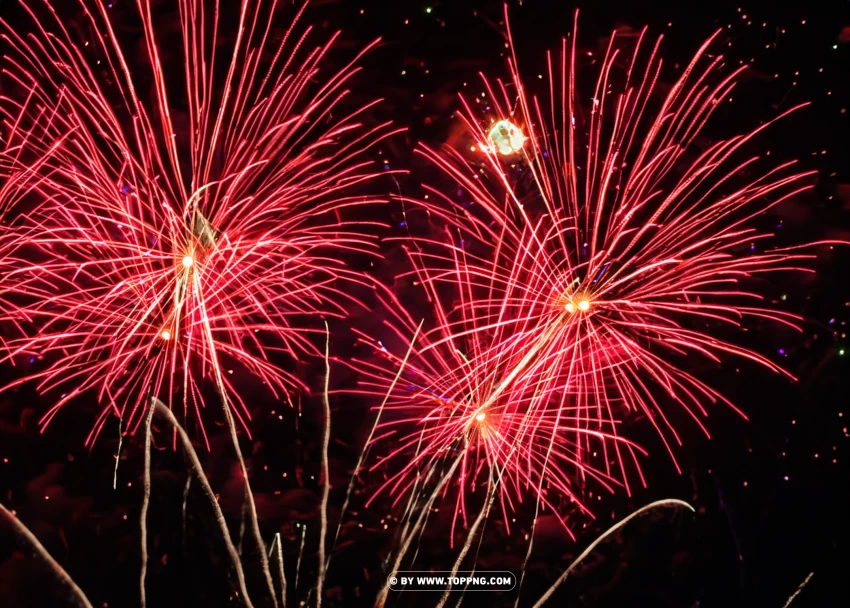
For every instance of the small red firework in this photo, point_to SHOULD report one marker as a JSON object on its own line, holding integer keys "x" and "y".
{"x": 142, "y": 258}
{"x": 597, "y": 247}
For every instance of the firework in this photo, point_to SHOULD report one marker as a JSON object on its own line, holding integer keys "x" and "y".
{"x": 149, "y": 258}
{"x": 445, "y": 422}
{"x": 598, "y": 246}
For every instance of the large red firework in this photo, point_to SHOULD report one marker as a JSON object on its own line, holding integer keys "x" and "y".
{"x": 145, "y": 253}
{"x": 599, "y": 246}
{"x": 445, "y": 417}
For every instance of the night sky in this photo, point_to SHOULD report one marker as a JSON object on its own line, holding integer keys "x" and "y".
{"x": 772, "y": 493}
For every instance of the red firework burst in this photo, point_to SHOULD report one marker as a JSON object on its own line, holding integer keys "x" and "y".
{"x": 602, "y": 246}
{"x": 143, "y": 258}
{"x": 446, "y": 416}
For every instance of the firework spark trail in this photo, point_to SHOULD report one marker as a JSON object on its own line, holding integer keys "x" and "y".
{"x": 605, "y": 250}
{"x": 798, "y": 590}
{"x": 326, "y": 473}
{"x": 669, "y": 503}
{"x": 424, "y": 511}
{"x": 366, "y": 447}
{"x": 60, "y": 573}
{"x": 276, "y": 544}
{"x": 300, "y": 555}
{"x": 197, "y": 469}
{"x": 146, "y": 499}
{"x": 140, "y": 263}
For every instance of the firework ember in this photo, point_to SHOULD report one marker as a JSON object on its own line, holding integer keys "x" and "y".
{"x": 144, "y": 258}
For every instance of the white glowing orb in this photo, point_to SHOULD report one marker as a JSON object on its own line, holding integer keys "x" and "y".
{"x": 480, "y": 416}
{"x": 506, "y": 137}
{"x": 583, "y": 305}
{"x": 165, "y": 335}
{"x": 188, "y": 261}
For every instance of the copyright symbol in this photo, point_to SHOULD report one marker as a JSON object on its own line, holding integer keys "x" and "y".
{"x": 393, "y": 580}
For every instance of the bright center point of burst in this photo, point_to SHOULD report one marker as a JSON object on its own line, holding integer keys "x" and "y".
{"x": 583, "y": 305}
{"x": 506, "y": 137}
{"x": 165, "y": 335}
{"x": 480, "y": 416}
{"x": 188, "y": 261}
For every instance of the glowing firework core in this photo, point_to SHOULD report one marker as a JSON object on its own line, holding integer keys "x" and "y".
{"x": 506, "y": 137}
{"x": 583, "y": 305}
{"x": 188, "y": 261}
{"x": 480, "y": 417}
{"x": 165, "y": 335}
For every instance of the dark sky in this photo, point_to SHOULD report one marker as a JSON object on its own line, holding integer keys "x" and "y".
{"x": 772, "y": 494}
